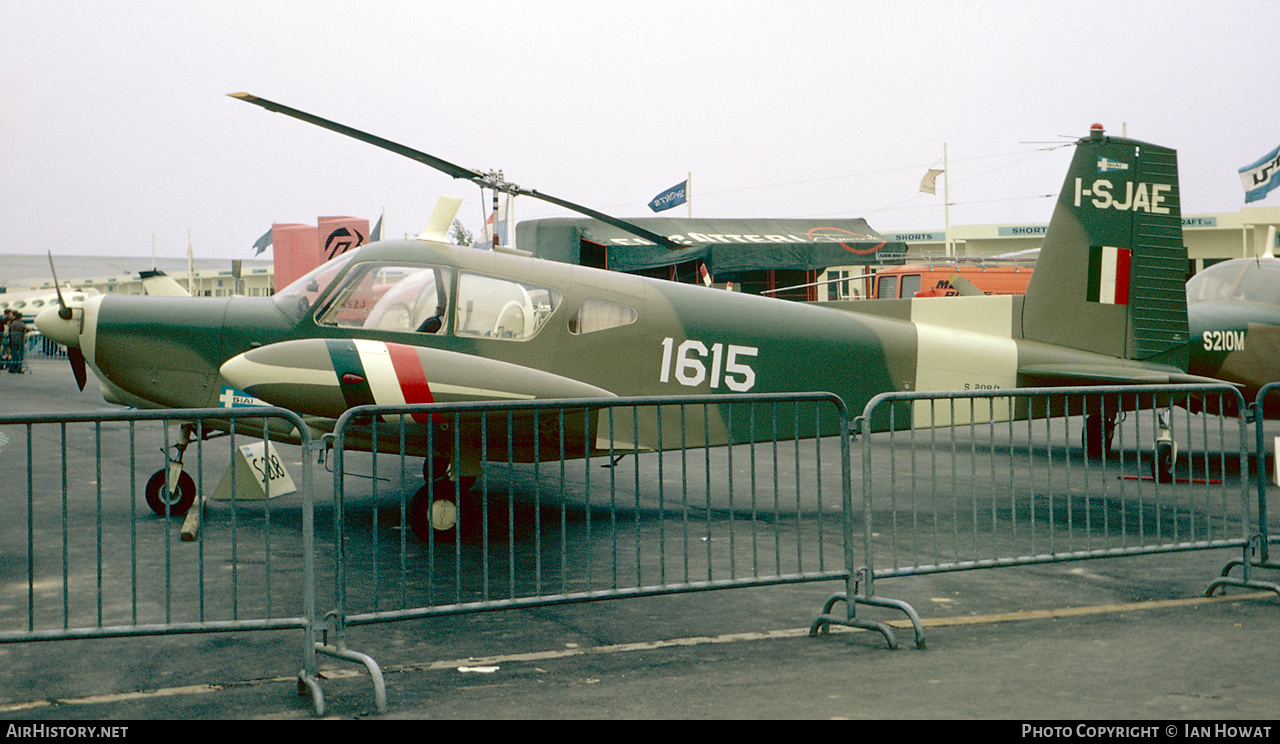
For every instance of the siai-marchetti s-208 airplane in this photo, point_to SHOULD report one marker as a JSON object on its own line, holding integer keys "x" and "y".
{"x": 411, "y": 321}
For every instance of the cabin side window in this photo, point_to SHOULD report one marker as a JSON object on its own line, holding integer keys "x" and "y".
{"x": 493, "y": 307}
{"x": 601, "y": 315}
{"x": 391, "y": 297}
{"x": 910, "y": 285}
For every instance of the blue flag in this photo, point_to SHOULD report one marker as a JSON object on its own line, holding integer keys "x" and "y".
{"x": 672, "y": 197}
{"x": 261, "y": 244}
{"x": 1261, "y": 177}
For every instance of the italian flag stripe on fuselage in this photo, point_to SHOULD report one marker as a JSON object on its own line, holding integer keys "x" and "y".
{"x": 412, "y": 378}
{"x": 1109, "y": 275}
{"x": 390, "y": 374}
{"x": 346, "y": 361}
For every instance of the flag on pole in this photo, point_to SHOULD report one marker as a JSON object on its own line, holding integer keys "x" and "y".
{"x": 929, "y": 184}
{"x": 484, "y": 241}
{"x": 261, "y": 244}
{"x": 672, "y": 197}
{"x": 706, "y": 275}
{"x": 1260, "y": 178}
{"x": 1109, "y": 275}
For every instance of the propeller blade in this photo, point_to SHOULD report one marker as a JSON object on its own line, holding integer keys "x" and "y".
{"x": 488, "y": 181}
{"x": 64, "y": 312}
{"x": 74, "y": 355}
{"x": 78, "y": 369}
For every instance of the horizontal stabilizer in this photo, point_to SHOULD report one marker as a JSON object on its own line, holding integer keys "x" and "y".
{"x": 1092, "y": 374}
{"x": 965, "y": 287}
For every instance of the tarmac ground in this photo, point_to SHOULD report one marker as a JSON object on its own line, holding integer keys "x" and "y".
{"x": 1118, "y": 639}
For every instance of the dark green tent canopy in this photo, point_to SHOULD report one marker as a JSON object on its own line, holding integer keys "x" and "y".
{"x": 724, "y": 245}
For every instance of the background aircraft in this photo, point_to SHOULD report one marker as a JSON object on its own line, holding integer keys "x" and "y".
{"x": 418, "y": 321}
{"x": 1234, "y": 312}
{"x": 32, "y": 303}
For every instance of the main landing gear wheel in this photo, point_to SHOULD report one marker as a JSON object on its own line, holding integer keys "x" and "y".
{"x": 179, "y": 501}
{"x": 1097, "y": 435}
{"x": 427, "y": 514}
{"x": 434, "y": 511}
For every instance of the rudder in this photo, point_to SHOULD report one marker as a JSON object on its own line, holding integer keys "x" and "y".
{"x": 1111, "y": 274}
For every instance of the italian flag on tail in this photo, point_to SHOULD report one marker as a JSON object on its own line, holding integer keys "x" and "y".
{"x": 1109, "y": 275}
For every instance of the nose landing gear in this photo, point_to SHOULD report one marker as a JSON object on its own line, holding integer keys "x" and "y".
{"x": 170, "y": 490}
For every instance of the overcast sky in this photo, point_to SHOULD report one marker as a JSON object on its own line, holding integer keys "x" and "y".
{"x": 116, "y": 126}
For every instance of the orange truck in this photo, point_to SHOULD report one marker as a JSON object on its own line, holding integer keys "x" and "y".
{"x": 928, "y": 280}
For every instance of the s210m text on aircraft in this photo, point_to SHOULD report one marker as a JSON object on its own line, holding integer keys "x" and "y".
{"x": 410, "y": 321}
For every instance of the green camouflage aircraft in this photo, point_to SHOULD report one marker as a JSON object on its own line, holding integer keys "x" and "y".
{"x": 1234, "y": 314}
{"x": 411, "y": 321}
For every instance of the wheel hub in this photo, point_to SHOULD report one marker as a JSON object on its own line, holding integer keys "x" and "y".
{"x": 444, "y": 514}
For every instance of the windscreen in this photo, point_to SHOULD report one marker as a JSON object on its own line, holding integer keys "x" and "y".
{"x": 1251, "y": 281}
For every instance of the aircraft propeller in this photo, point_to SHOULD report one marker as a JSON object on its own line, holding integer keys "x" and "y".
{"x": 490, "y": 180}
{"x": 74, "y": 354}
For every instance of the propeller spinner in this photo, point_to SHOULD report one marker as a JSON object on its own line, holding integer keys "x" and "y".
{"x": 490, "y": 180}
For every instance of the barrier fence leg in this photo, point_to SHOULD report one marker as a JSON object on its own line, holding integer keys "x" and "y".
{"x": 309, "y": 684}
{"x": 821, "y": 624}
{"x": 340, "y": 651}
{"x": 1246, "y": 563}
{"x": 1257, "y": 551}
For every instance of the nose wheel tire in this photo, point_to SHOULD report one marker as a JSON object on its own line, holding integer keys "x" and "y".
{"x": 178, "y": 501}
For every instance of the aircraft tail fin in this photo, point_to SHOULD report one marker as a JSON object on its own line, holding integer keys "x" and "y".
{"x": 1111, "y": 274}
{"x": 157, "y": 282}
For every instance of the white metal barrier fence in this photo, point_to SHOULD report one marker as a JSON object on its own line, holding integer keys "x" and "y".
{"x": 583, "y": 501}
{"x": 96, "y": 562}
{"x": 599, "y": 499}
{"x": 984, "y": 479}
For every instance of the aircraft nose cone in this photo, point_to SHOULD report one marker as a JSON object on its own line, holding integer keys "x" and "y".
{"x": 54, "y": 326}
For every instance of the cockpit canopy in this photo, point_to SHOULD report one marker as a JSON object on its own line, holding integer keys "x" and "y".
{"x": 418, "y": 298}
{"x": 1244, "y": 280}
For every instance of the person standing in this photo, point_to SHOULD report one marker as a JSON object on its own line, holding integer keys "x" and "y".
{"x": 4, "y": 339}
{"x": 15, "y": 335}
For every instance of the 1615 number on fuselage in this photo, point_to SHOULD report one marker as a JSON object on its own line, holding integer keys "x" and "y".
{"x": 722, "y": 365}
